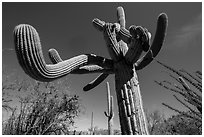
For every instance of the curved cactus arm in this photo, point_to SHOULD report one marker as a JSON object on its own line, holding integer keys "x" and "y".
{"x": 111, "y": 36}
{"x": 158, "y": 41}
{"x": 30, "y": 57}
{"x": 55, "y": 58}
{"x": 96, "y": 82}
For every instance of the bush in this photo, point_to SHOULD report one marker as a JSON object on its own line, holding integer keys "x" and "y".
{"x": 189, "y": 87}
{"x": 46, "y": 109}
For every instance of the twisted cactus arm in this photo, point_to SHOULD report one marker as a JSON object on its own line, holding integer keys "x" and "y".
{"x": 122, "y": 33}
{"x": 137, "y": 38}
{"x": 112, "y": 35}
{"x": 30, "y": 57}
{"x": 126, "y": 36}
{"x": 158, "y": 41}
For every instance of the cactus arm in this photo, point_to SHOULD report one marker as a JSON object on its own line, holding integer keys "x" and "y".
{"x": 109, "y": 36}
{"x": 96, "y": 82}
{"x": 92, "y": 69}
{"x": 137, "y": 43}
{"x": 123, "y": 32}
{"x": 158, "y": 41}
{"x": 121, "y": 16}
{"x": 30, "y": 57}
{"x": 112, "y": 34}
{"x": 55, "y": 58}
{"x": 106, "y": 114}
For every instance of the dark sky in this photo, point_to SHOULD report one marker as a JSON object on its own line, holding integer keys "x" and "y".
{"x": 67, "y": 27}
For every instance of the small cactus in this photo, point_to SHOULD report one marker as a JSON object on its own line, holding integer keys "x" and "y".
{"x": 109, "y": 113}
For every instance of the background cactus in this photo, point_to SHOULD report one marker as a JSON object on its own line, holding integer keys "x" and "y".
{"x": 121, "y": 45}
{"x": 92, "y": 129}
{"x": 110, "y": 113}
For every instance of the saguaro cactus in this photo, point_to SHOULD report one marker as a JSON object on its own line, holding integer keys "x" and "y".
{"x": 125, "y": 48}
{"x": 126, "y": 62}
{"x": 109, "y": 114}
{"x": 92, "y": 129}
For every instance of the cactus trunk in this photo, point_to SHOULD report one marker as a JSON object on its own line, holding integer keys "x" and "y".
{"x": 131, "y": 113}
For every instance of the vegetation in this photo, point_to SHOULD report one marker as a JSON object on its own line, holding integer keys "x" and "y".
{"x": 45, "y": 108}
{"x": 189, "y": 87}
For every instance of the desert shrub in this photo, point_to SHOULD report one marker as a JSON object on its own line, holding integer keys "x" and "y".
{"x": 182, "y": 125}
{"x": 189, "y": 87}
{"x": 156, "y": 123}
{"x": 44, "y": 108}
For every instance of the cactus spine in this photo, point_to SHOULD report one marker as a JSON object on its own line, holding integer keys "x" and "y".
{"x": 109, "y": 114}
{"x": 122, "y": 45}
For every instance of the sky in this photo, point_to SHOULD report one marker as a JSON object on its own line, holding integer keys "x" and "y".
{"x": 68, "y": 28}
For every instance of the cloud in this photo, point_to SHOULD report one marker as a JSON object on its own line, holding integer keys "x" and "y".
{"x": 189, "y": 34}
